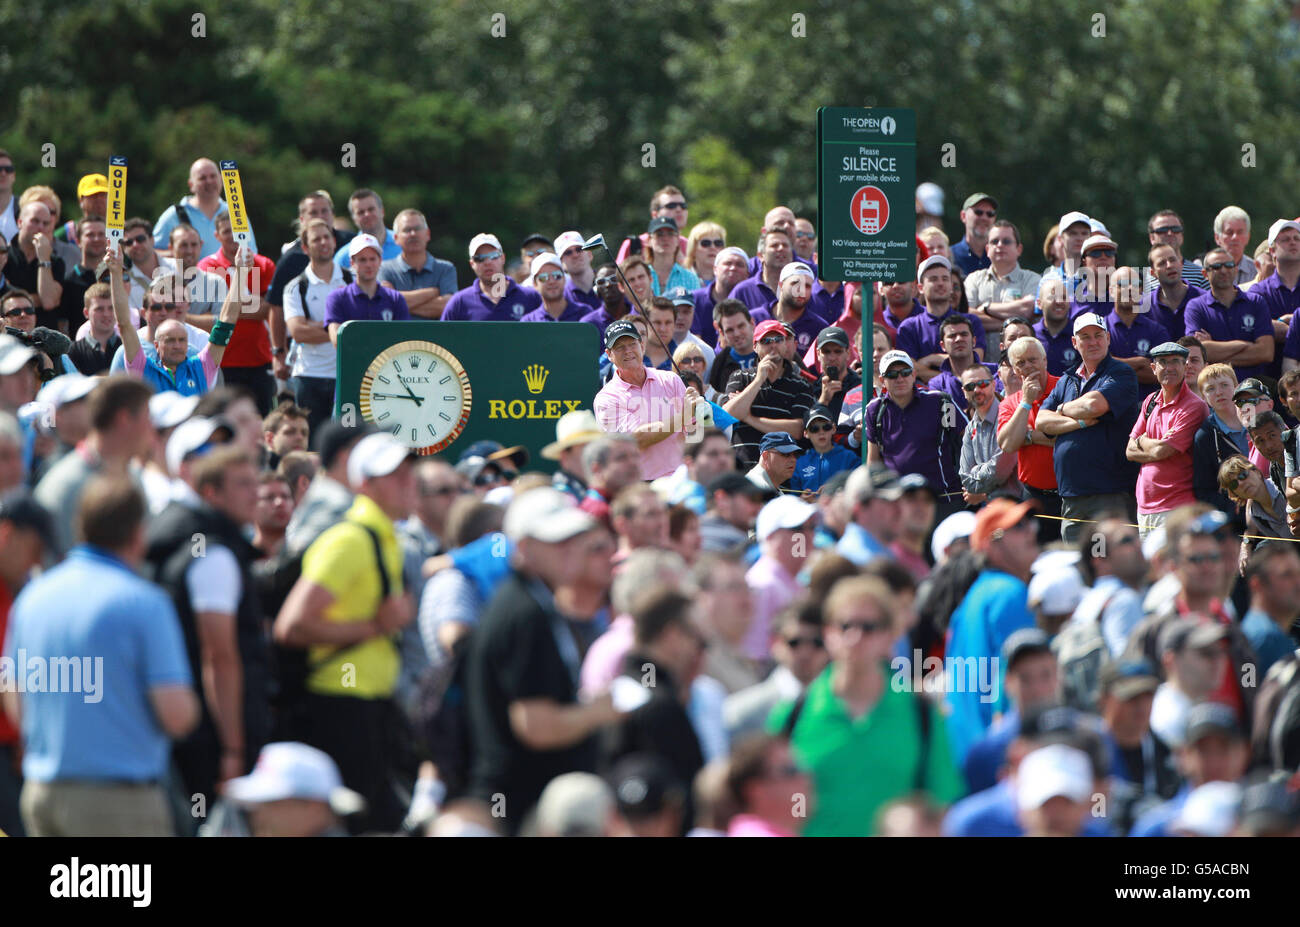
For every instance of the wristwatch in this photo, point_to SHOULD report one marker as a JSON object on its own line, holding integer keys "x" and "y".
{"x": 44, "y": 263}
{"x": 276, "y": 352}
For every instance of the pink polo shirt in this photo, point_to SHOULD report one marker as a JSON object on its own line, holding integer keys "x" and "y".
{"x": 747, "y": 825}
{"x": 622, "y": 407}
{"x": 1167, "y": 484}
{"x": 772, "y": 588}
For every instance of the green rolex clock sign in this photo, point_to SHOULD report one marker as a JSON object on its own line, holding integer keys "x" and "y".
{"x": 441, "y": 386}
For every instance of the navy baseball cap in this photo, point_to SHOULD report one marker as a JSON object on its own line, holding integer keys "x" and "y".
{"x": 680, "y": 296}
{"x": 620, "y": 329}
{"x": 644, "y": 784}
{"x": 1022, "y": 643}
{"x": 661, "y": 222}
{"x": 1211, "y": 718}
{"x": 778, "y": 441}
{"x": 21, "y": 508}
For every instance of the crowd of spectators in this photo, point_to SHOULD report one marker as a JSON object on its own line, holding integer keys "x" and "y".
{"x": 1026, "y": 567}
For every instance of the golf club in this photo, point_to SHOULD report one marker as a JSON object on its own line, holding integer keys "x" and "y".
{"x": 596, "y": 242}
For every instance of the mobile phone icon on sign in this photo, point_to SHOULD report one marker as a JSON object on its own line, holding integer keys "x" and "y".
{"x": 869, "y": 219}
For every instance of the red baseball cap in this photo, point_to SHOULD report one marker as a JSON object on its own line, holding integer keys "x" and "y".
{"x": 766, "y": 328}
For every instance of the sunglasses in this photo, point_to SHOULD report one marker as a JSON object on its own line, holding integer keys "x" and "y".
{"x": 985, "y": 213}
{"x": 796, "y": 642}
{"x": 1198, "y": 559}
{"x": 711, "y": 243}
{"x": 1221, "y": 265}
{"x": 491, "y": 256}
{"x": 1168, "y": 230}
{"x": 7, "y": 169}
{"x": 818, "y": 429}
{"x": 442, "y": 491}
{"x": 162, "y": 307}
{"x": 1002, "y": 241}
{"x": 552, "y": 275}
{"x": 24, "y": 310}
{"x": 675, "y": 205}
{"x": 606, "y": 281}
{"x": 570, "y": 252}
{"x": 487, "y": 479}
{"x": 1101, "y": 252}
{"x": 531, "y": 252}
{"x": 137, "y": 240}
{"x": 978, "y": 384}
{"x": 693, "y": 359}
{"x": 772, "y": 339}
{"x": 1245, "y": 401}
{"x": 866, "y": 627}
{"x": 805, "y": 234}
{"x": 896, "y": 374}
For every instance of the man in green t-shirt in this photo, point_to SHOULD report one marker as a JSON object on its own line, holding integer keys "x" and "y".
{"x": 859, "y": 729}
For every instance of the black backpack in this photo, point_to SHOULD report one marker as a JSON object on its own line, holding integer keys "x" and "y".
{"x": 301, "y": 282}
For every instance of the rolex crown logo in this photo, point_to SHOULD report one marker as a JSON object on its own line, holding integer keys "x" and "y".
{"x": 535, "y": 378}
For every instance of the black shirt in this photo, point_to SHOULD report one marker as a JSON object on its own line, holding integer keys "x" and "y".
{"x": 71, "y": 311}
{"x": 788, "y": 396}
{"x": 515, "y": 655}
{"x": 88, "y": 357}
{"x": 22, "y": 273}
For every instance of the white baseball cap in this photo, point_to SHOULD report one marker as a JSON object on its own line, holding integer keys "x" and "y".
{"x": 1086, "y": 319}
{"x": 956, "y": 526}
{"x": 543, "y": 259}
{"x": 783, "y": 512}
{"x": 190, "y": 436}
{"x": 363, "y": 241}
{"x": 1210, "y": 810}
{"x": 13, "y": 354}
{"x": 934, "y": 260}
{"x": 375, "y": 455}
{"x": 1276, "y": 228}
{"x": 1095, "y": 241}
{"x": 890, "y": 358}
{"x": 794, "y": 269}
{"x": 547, "y": 515}
{"x": 67, "y": 388}
{"x": 930, "y": 196}
{"x": 169, "y": 409}
{"x": 576, "y": 804}
{"x": 1056, "y": 590}
{"x": 1052, "y": 771}
{"x": 294, "y": 770}
{"x": 484, "y": 238}
{"x": 1098, "y": 228}
{"x": 567, "y": 240}
{"x": 739, "y": 252}
{"x": 1070, "y": 218}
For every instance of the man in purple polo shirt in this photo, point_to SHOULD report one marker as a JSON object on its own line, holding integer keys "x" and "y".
{"x": 900, "y": 303}
{"x": 493, "y": 296}
{"x": 1161, "y": 439}
{"x": 911, "y": 430}
{"x": 651, "y": 405}
{"x": 791, "y": 307}
{"x": 580, "y": 287}
{"x": 1167, "y": 302}
{"x": 614, "y": 305}
{"x": 1092, "y": 294}
{"x": 1235, "y": 327}
{"x": 958, "y": 343}
{"x": 759, "y": 291}
{"x": 364, "y": 298}
{"x": 730, "y": 267}
{"x": 1053, "y": 329}
{"x": 971, "y": 253}
{"x": 1280, "y": 291}
{"x": 919, "y": 336}
{"x": 548, "y": 278}
{"x": 1133, "y": 333}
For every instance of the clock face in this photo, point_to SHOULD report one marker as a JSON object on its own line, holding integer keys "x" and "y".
{"x": 419, "y": 392}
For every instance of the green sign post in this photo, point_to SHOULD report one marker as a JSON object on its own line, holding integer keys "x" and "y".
{"x": 440, "y": 386}
{"x": 866, "y": 196}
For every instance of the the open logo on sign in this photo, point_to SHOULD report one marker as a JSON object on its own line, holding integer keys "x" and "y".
{"x": 869, "y": 210}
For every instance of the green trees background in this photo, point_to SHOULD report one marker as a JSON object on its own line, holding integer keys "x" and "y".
{"x": 1189, "y": 104}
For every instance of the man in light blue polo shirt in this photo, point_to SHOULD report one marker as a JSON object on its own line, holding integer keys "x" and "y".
{"x": 368, "y": 213}
{"x": 200, "y": 211}
{"x": 174, "y": 368}
{"x": 425, "y": 282}
{"x": 118, "y": 687}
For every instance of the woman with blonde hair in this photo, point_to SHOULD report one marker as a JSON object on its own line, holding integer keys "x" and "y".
{"x": 702, "y": 247}
{"x": 1264, "y": 265}
{"x": 1052, "y": 247}
{"x": 689, "y": 357}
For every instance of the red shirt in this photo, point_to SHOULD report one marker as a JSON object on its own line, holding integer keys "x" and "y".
{"x": 250, "y": 345}
{"x": 1033, "y": 461}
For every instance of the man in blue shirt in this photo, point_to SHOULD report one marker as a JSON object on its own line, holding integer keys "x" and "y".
{"x": 364, "y": 299}
{"x": 1100, "y": 397}
{"x": 368, "y": 213}
{"x": 971, "y": 253}
{"x": 872, "y": 495}
{"x": 426, "y": 282}
{"x": 493, "y": 296}
{"x": 994, "y": 607}
{"x": 117, "y": 686}
{"x": 1273, "y": 574}
{"x": 826, "y": 458}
